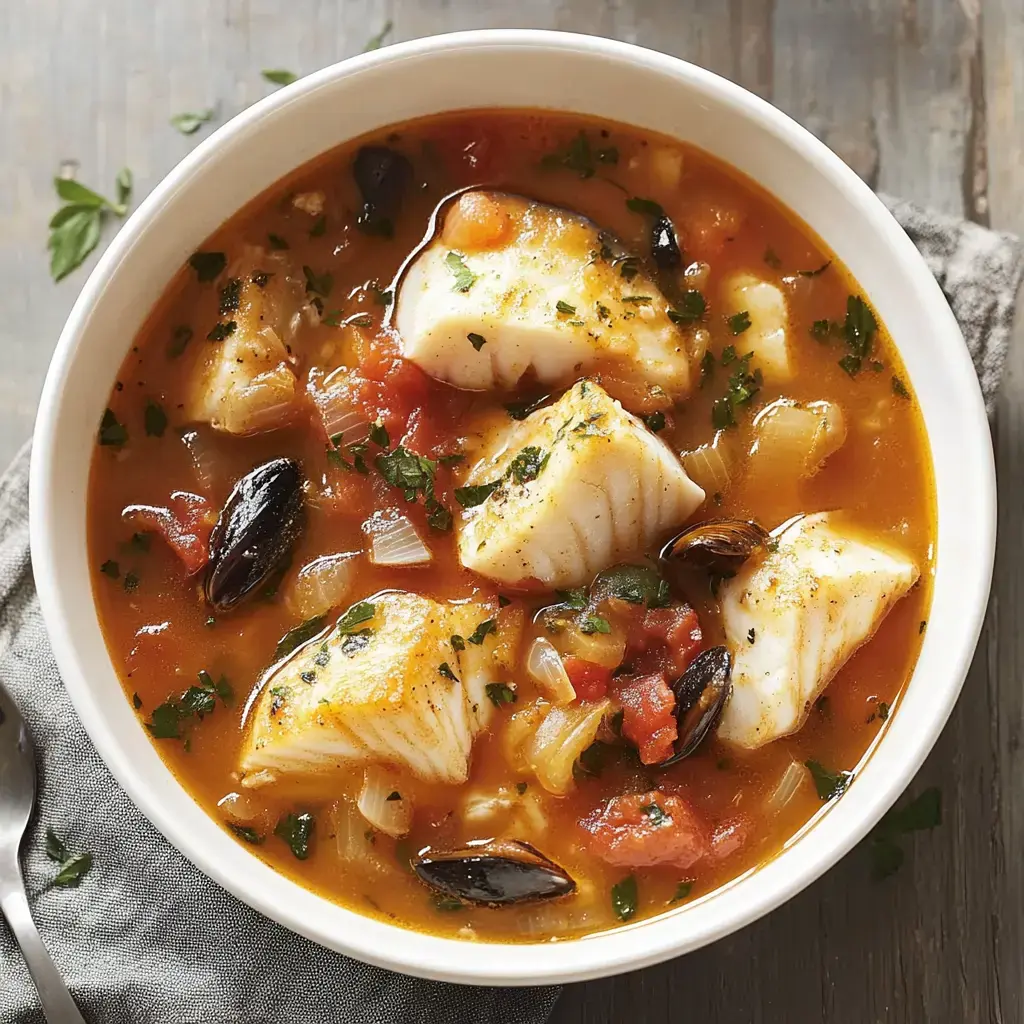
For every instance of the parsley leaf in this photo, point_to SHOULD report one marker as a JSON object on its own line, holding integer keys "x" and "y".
{"x": 155, "y": 419}
{"x": 298, "y": 635}
{"x": 482, "y": 631}
{"x": 656, "y": 815}
{"x": 445, "y": 670}
{"x": 563, "y": 307}
{"x": 829, "y": 784}
{"x": 691, "y": 307}
{"x": 594, "y": 624}
{"x": 207, "y": 265}
{"x": 110, "y": 568}
{"x": 683, "y": 890}
{"x": 520, "y": 410}
{"x": 624, "y": 898}
{"x": 222, "y": 331}
{"x": 743, "y": 385}
{"x": 250, "y": 835}
{"x": 111, "y": 432}
{"x": 408, "y": 471}
{"x": 528, "y": 464}
{"x": 377, "y": 41}
{"x": 464, "y": 277}
{"x": 817, "y": 271}
{"x": 501, "y": 693}
{"x": 280, "y": 76}
{"x": 858, "y": 329}
{"x": 297, "y": 831}
{"x": 190, "y": 123}
{"x": 359, "y": 613}
{"x": 579, "y": 156}
{"x": 923, "y": 812}
{"x": 739, "y": 322}
{"x": 899, "y": 388}
{"x": 648, "y": 206}
{"x": 470, "y": 497}
{"x": 72, "y": 870}
{"x": 477, "y": 340}
{"x": 654, "y": 421}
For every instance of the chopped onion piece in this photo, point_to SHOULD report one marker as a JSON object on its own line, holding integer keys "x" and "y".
{"x": 352, "y": 839}
{"x": 341, "y": 417}
{"x": 793, "y": 440}
{"x": 208, "y": 463}
{"x": 241, "y": 809}
{"x": 793, "y": 778}
{"x": 707, "y": 467}
{"x": 480, "y": 805}
{"x": 395, "y": 541}
{"x": 519, "y": 731}
{"x": 557, "y": 744}
{"x": 544, "y": 664}
{"x": 322, "y": 584}
{"x": 604, "y": 649}
{"x": 382, "y": 804}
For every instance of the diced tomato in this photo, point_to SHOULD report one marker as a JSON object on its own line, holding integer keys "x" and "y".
{"x": 729, "y": 836}
{"x": 184, "y": 523}
{"x": 666, "y": 639}
{"x": 641, "y": 829}
{"x": 648, "y": 714}
{"x": 589, "y": 680}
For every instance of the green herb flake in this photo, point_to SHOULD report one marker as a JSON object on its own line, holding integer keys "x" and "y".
{"x": 361, "y": 612}
{"x": 55, "y": 848}
{"x": 379, "y": 434}
{"x": 464, "y": 277}
{"x": 72, "y": 870}
{"x": 645, "y": 206}
{"x": 298, "y": 635}
{"x": 520, "y": 410}
{"x": 446, "y": 904}
{"x": 624, "y": 898}
{"x": 656, "y": 815}
{"x": 637, "y": 300}
{"x": 277, "y": 242}
{"x": 899, "y": 388}
{"x": 579, "y": 156}
{"x": 654, "y": 421}
{"x": 131, "y": 582}
{"x": 445, "y": 671}
{"x": 179, "y": 340}
{"x": 922, "y": 626}
{"x": 858, "y": 330}
{"x": 207, "y": 265}
{"x": 521, "y": 788}
{"x": 319, "y": 226}
{"x": 188, "y": 122}
{"x": 438, "y": 517}
{"x": 822, "y": 330}
{"x": 829, "y": 784}
{"x": 817, "y": 271}
{"x": 739, "y": 322}
{"x": 165, "y": 721}
{"x": 501, "y": 693}
{"x": 111, "y": 568}
{"x": 375, "y": 42}
{"x": 707, "y": 367}
{"x": 482, "y": 631}
{"x": 112, "y": 433}
{"x": 297, "y": 831}
{"x": 457, "y": 642}
{"x": 683, "y": 889}
{"x": 250, "y": 835}
{"x": 470, "y": 497}
{"x": 635, "y": 584}
{"x": 563, "y": 307}
{"x": 573, "y": 599}
{"x": 690, "y": 308}
{"x": 222, "y": 331}
{"x": 477, "y": 341}
{"x": 136, "y": 701}
{"x": 771, "y": 258}
{"x": 594, "y": 624}
{"x": 154, "y": 419}
{"x": 279, "y": 76}
{"x": 407, "y": 471}
{"x": 318, "y": 284}
{"x": 528, "y": 464}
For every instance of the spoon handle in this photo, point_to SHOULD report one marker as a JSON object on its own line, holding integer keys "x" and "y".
{"x": 58, "y": 1006}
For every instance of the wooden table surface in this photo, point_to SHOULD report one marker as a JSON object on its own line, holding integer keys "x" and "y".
{"x": 925, "y": 99}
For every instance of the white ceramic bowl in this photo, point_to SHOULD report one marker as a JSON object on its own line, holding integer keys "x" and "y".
{"x": 510, "y": 69}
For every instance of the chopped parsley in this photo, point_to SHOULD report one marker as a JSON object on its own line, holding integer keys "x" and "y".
{"x": 477, "y": 340}
{"x": 574, "y": 599}
{"x": 73, "y": 867}
{"x": 470, "y": 497}
{"x": 635, "y": 584}
{"x": 445, "y": 671}
{"x": 637, "y": 300}
{"x": 822, "y": 330}
{"x": 501, "y": 693}
{"x": 457, "y": 642}
{"x": 883, "y": 710}
{"x": 899, "y": 388}
{"x": 155, "y": 419}
{"x": 521, "y": 788}
{"x": 446, "y": 904}
{"x": 683, "y": 889}
{"x": 376, "y": 41}
{"x": 222, "y": 331}
{"x": 691, "y": 307}
{"x": 624, "y": 898}
{"x": 656, "y": 815}
{"x": 279, "y": 76}
{"x": 207, "y": 265}
{"x": 594, "y": 624}
{"x": 196, "y": 702}
{"x": 359, "y": 613}
{"x": 318, "y": 284}
{"x": 647, "y": 206}
{"x": 298, "y": 635}
{"x": 250, "y": 835}
{"x": 817, "y": 271}
{"x": 394, "y": 795}
{"x": 407, "y": 471}
{"x": 580, "y": 156}
{"x": 379, "y": 434}
{"x": 112, "y": 432}
{"x": 563, "y": 307}
{"x": 230, "y": 296}
{"x": 654, "y": 421}
{"x": 131, "y": 582}
{"x": 276, "y": 241}
{"x": 464, "y": 277}
{"x": 858, "y": 330}
{"x": 739, "y": 322}
{"x": 829, "y": 784}
{"x": 136, "y": 701}
{"x": 528, "y": 464}
{"x": 297, "y": 831}
{"x": 771, "y": 258}
{"x": 188, "y": 123}
{"x": 319, "y": 226}
{"x": 707, "y": 367}
{"x": 743, "y": 386}
{"x": 179, "y": 340}
{"x": 485, "y": 628}
{"x": 110, "y": 568}
{"x": 520, "y": 410}
{"x": 923, "y": 812}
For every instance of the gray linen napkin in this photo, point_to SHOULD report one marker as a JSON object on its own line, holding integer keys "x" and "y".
{"x": 148, "y": 939}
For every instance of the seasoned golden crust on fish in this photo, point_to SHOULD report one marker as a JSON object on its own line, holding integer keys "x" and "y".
{"x": 793, "y": 618}
{"x": 576, "y": 487}
{"x": 385, "y": 685}
{"x": 549, "y": 294}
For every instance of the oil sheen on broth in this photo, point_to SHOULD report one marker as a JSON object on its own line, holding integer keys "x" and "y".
{"x": 435, "y": 624}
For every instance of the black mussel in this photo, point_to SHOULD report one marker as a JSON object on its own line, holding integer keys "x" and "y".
{"x": 701, "y": 692}
{"x": 383, "y": 175}
{"x": 495, "y": 874}
{"x": 664, "y": 245}
{"x": 719, "y": 545}
{"x": 258, "y": 525}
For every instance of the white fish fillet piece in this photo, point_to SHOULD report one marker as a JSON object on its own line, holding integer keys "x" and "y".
{"x": 551, "y": 256}
{"x": 767, "y": 335}
{"x": 243, "y": 383}
{"x": 608, "y": 488}
{"x": 380, "y": 697}
{"x": 794, "y": 618}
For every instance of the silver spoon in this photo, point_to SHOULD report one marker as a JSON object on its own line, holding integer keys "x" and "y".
{"x": 17, "y": 797}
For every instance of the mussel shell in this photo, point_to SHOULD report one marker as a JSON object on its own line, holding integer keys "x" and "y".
{"x": 495, "y": 874}
{"x": 701, "y": 692}
{"x": 664, "y": 245}
{"x": 382, "y": 175}
{"x": 718, "y": 545}
{"x": 258, "y": 525}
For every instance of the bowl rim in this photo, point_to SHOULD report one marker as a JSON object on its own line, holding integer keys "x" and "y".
{"x": 631, "y": 946}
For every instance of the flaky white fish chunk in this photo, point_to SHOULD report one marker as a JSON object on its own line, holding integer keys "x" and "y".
{"x": 244, "y": 382}
{"x": 576, "y": 487}
{"x": 547, "y": 292}
{"x": 384, "y": 686}
{"x": 793, "y": 618}
{"x": 768, "y": 334}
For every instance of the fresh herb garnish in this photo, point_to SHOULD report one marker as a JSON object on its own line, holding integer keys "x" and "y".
{"x": 624, "y": 898}
{"x": 899, "y": 388}
{"x": 179, "y": 339}
{"x": 829, "y": 784}
{"x": 771, "y": 258}
{"x": 656, "y": 815}
{"x": 563, "y": 307}
{"x": 297, "y": 831}
{"x": 112, "y": 432}
{"x": 379, "y": 434}
{"x": 207, "y": 265}
{"x": 470, "y": 497}
{"x": 136, "y": 701}
{"x": 501, "y": 693}
{"x": 637, "y": 300}
{"x": 277, "y": 242}
{"x": 375, "y": 42}
{"x": 280, "y": 76}
{"x": 457, "y": 642}
{"x": 883, "y": 710}
{"x": 73, "y": 867}
{"x": 222, "y": 331}
{"x": 318, "y": 284}
{"x": 464, "y": 277}
{"x": 445, "y": 670}
{"x": 528, "y": 464}
{"x": 691, "y": 307}
{"x": 579, "y": 156}
{"x": 359, "y": 613}
{"x": 636, "y": 584}
{"x": 408, "y": 471}
{"x": 75, "y": 228}
{"x": 817, "y": 271}
{"x": 707, "y": 367}
{"x": 739, "y": 322}
{"x": 485, "y": 628}
{"x": 923, "y": 812}
{"x": 822, "y": 330}
{"x": 298, "y": 635}
{"x": 188, "y": 123}
{"x": 683, "y": 890}
{"x": 520, "y": 410}
{"x": 477, "y": 340}
{"x": 155, "y": 419}
{"x": 131, "y": 582}
{"x": 743, "y": 385}
{"x": 594, "y": 624}
{"x": 647, "y": 206}
{"x": 521, "y": 786}
{"x": 446, "y": 904}
{"x": 576, "y": 599}
{"x": 230, "y": 296}
{"x": 250, "y": 835}
{"x": 654, "y": 421}
{"x": 858, "y": 330}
